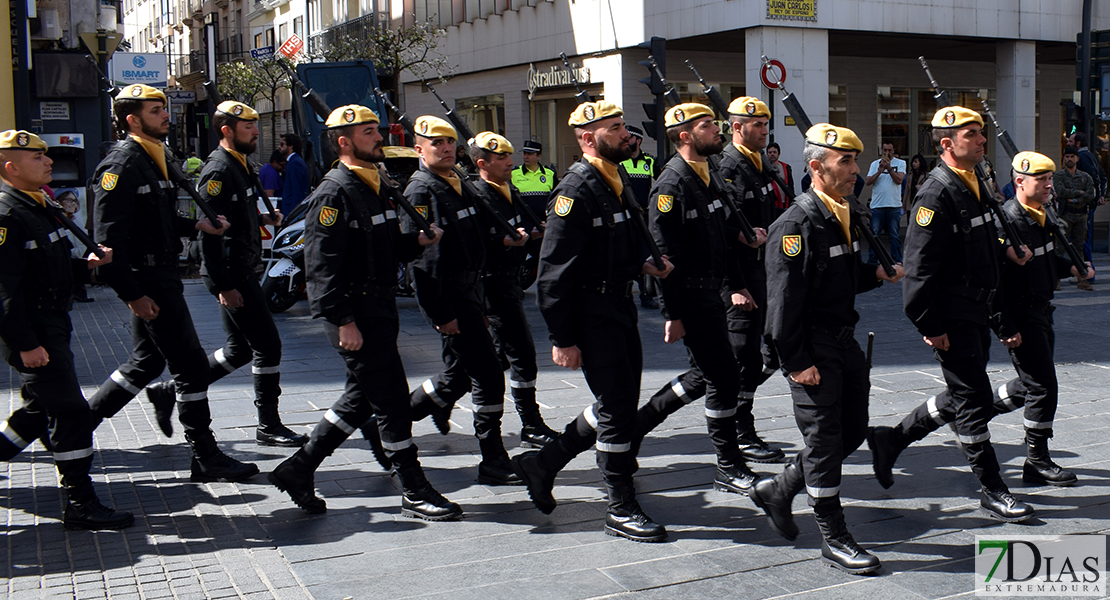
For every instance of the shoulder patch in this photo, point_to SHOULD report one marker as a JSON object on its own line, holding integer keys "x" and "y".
{"x": 563, "y": 205}
{"x": 214, "y": 187}
{"x": 666, "y": 203}
{"x": 422, "y": 211}
{"x": 108, "y": 181}
{"x": 791, "y": 245}
{"x": 3, "y": 235}
{"x": 924, "y": 216}
{"x": 328, "y": 215}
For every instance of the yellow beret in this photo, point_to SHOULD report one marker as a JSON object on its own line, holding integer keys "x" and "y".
{"x": 21, "y": 140}
{"x": 138, "y": 91}
{"x": 488, "y": 140}
{"x": 955, "y": 116}
{"x": 238, "y": 110}
{"x": 1033, "y": 163}
{"x": 684, "y": 113}
{"x": 749, "y": 106}
{"x": 831, "y": 136}
{"x": 352, "y": 114}
{"x": 592, "y": 112}
{"x": 433, "y": 127}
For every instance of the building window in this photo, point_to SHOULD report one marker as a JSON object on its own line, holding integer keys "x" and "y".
{"x": 925, "y": 106}
{"x": 894, "y": 118}
{"x": 270, "y": 37}
{"x": 258, "y": 40}
{"x": 483, "y": 113}
{"x": 838, "y": 105}
{"x": 283, "y": 33}
{"x": 298, "y": 27}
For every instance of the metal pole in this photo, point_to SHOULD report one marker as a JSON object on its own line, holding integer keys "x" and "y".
{"x": 105, "y": 100}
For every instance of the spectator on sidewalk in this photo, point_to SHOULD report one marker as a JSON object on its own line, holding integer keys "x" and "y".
{"x": 295, "y": 187}
{"x": 270, "y": 174}
{"x": 1075, "y": 195}
{"x": 885, "y": 176}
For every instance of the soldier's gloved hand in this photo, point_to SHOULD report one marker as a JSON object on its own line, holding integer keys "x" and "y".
{"x": 809, "y": 376}
{"x": 673, "y": 331}
{"x": 899, "y": 273}
{"x": 207, "y": 227}
{"x": 95, "y": 261}
{"x": 508, "y": 241}
{"x": 1026, "y": 256}
{"x": 744, "y": 300}
{"x": 424, "y": 240}
{"x": 569, "y": 357}
{"x": 36, "y": 358}
{"x": 145, "y": 308}
{"x": 231, "y": 299}
{"x": 649, "y": 268}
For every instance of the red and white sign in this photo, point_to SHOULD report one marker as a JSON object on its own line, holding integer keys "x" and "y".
{"x": 291, "y": 46}
{"x": 773, "y": 74}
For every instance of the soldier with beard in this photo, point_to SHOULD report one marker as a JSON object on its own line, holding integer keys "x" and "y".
{"x": 591, "y": 253}
{"x": 228, "y": 269}
{"x": 353, "y": 242}
{"x": 135, "y": 216}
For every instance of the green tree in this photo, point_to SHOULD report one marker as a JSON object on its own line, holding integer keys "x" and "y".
{"x": 260, "y": 80}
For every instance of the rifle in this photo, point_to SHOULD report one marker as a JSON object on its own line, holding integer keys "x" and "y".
{"x": 79, "y": 233}
{"x": 710, "y": 91}
{"x": 214, "y": 96}
{"x": 582, "y": 96}
{"x": 943, "y": 100}
{"x": 870, "y": 347}
{"x": 794, "y": 107}
{"x": 670, "y": 94}
{"x": 1011, "y": 149}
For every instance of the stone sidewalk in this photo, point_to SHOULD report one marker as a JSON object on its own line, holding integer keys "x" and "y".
{"x": 249, "y": 541}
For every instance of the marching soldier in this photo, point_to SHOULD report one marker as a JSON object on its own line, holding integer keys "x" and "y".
{"x": 814, "y": 271}
{"x": 953, "y": 268}
{"x": 36, "y": 284}
{"x": 591, "y": 253}
{"x": 228, "y": 268}
{"x": 1025, "y": 315}
{"x": 353, "y": 243}
{"x": 449, "y": 293}
{"x": 135, "y": 216}
{"x": 492, "y": 155}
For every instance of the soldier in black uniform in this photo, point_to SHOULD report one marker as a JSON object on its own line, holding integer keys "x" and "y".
{"x": 814, "y": 271}
{"x": 492, "y": 154}
{"x": 449, "y": 292}
{"x": 591, "y": 253}
{"x": 228, "y": 268}
{"x": 36, "y": 286}
{"x": 1025, "y": 300}
{"x": 643, "y": 169}
{"x": 953, "y": 269}
{"x": 135, "y": 216}
{"x": 352, "y": 247}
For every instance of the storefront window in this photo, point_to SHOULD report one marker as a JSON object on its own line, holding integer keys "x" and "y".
{"x": 926, "y": 106}
{"x": 483, "y": 113}
{"x": 894, "y": 118}
{"x": 838, "y": 105}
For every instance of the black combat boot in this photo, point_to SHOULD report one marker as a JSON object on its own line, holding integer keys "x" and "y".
{"x": 776, "y": 495}
{"x": 534, "y": 433}
{"x": 419, "y": 500}
{"x": 374, "y": 438}
{"x": 540, "y": 481}
{"x": 83, "y": 509}
{"x": 296, "y": 477}
{"x": 753, "y": 448}
{"x": 886, "y": 444}
{"x": 626, "y": 519}
{"x": 733, "y": 475}
{"x": 163, "y": 397}
{"x": 839, "y": 549}
{"x": 495, "y": 468}
{"x": 998, "y": 503}
{"x": 1039, "y": 467}
{"x": 271, "y": 431}
{"x": 441, "y": 417}
{"x": 210, "y": 464}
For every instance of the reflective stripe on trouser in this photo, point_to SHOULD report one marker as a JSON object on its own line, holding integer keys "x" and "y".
{"x": 612, "y": 361}
{"x": 745, "y": 333}
{"x": 376, "y": 387}
{"x": 170, "y": 340}
{"x": 707, "y": 343}
{"x": 252, "y": 337}
{"x": 512, "y": 338}
{"x": 1036, "y": 382}
{"x": 832, "y": 416}
{"x": 20, "y": 429}
{"x": 970, "y": 395}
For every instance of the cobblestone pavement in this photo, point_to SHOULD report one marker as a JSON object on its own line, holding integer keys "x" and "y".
{"x": 249, "y": 541}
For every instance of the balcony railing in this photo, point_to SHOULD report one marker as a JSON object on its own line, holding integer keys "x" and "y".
{"x": 355, "y": 29}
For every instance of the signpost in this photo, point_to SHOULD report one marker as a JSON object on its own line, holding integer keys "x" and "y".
{"x": 291, "y": 46}
{"x": 264, "y": 53}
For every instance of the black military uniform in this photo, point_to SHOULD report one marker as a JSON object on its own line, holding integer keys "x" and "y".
{"x": 135, "y": 216}
{"x": 36, "y": 284}
{"x": 230, "y": 262}
{"x": 448, "y": 289}
{"x": 353, "y": 243}
{"x": 642, "y": 171}
{"x": 1025, "y": 306}
{"x": 814, "y": 271}
{"x": 953, "y": 270}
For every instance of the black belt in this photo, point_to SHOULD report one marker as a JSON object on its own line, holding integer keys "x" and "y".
{"x": 374, "y": 291}
{"x": 1033, "y": 304}
{"x": 842, "y": 334}
{"x": 609, "y": 287}
{"x": 703, "y": 283}
{"x": 154, "y": 260}
{"x": 975, "y": 294}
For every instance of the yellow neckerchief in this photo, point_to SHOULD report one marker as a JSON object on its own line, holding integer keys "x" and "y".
{"x": 702, "y": 169}
{"x": 368, "y": 175}
{"x": 39, "y": 196}
{"x": 242, "y": 158}
{"x": 1036, "y": 213}
{"x": 156, "y": 151}
{"x": 840, "y": 211}
{"x": 504, "y": 187}
{"x": 754, "y": 157}
{"x": 608, "y": 172}
{"x": 970, "y": 179}
{"x": 453, "y": 181}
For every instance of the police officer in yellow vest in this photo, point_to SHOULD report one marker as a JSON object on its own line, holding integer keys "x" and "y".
{"x": 534, "y": 180}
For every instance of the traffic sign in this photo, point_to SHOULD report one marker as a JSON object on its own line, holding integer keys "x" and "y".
{"x": 291, "y": 46}
{"x": 773, "y": 74}
{"x": 264, "y": 53}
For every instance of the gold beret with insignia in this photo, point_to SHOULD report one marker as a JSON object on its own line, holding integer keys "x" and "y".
{"x": 955, "y": 116}
{"x": 238, "y": 110}
{"x": 433, "y": 127}
{"x": 488, "y": 140}
{"x": 1033, "y": 163}
{"x": 831, "y": 136}
{"x": 352, "y": 114}
{"x": 685, "y": 113}
{"x": 749, "y": 106}
{"x": 21, "y": 140}
{"x": 592, "y": 112}
{"x": 139, "y": 91}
